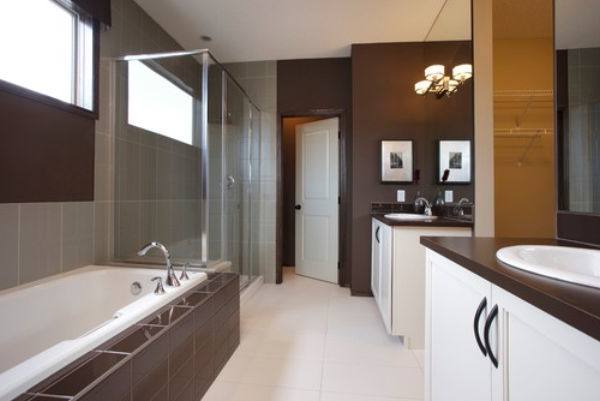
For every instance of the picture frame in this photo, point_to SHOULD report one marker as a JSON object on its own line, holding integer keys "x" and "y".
{"x": 397, "y": 161}
{"x": 455, "y": 155}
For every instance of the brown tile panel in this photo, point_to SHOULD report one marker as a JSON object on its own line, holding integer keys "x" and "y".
{"x": 172, "y": 355}
{"x": 168, "y": 316}
{"x": 576, "y": 305}
{"x": 135, "y": 340}
{"x": 115, "y": 387}
{"x": 84, "y": 375}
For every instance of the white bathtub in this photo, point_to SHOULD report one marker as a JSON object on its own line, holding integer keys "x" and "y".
{"x": 48, "y": 324}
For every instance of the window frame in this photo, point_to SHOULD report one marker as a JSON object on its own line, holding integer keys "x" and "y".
{"x": 78, "y": 77}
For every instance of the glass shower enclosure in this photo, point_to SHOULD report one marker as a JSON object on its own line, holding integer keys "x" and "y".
{"x": 186, "y": 163}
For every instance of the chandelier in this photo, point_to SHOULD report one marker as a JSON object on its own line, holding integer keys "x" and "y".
{"x": 439, "y": 84}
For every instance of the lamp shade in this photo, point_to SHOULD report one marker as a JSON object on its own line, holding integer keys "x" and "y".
{"x": 435, "y": 72}
{"x": 422, "y": 87}
{"x": 462, "y": 72}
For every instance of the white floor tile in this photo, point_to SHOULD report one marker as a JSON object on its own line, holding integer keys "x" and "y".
{"x": 231, "y": 391}
{"x": 307, "y": 340}
{"x": 351, "y": 350}
{"x": 373, "y": 380}
{"x": 292, "y": 345}
{"x": 287, "y": 372}
{"x": 327, "y": 396}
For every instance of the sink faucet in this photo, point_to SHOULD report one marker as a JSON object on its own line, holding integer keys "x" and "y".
{"x": 428, "y": 211}
{"x": 458, "y": 210}
{"x": 172, "y": 280}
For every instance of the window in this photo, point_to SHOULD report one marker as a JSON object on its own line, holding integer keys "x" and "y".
{"x": 158, "y": 105}
{"x": 47, "y": 48}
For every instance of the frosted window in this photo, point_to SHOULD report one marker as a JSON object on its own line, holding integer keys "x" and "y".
{"x": 37, "y": 47}
{"x": 158, "y": 105}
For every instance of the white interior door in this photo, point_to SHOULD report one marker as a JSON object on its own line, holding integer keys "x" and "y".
{"x": 317, "y": 199}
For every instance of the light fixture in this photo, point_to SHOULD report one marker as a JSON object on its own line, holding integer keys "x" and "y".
{"x": 422, "y": 87}
{"x": 435, "y": 72}
{"x": 462, "y": 72}
{"x": 439, "y": 84}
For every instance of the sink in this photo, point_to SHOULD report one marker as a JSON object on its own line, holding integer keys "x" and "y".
{"x": 576, "y": 265}
{"x": 409, "y": 217}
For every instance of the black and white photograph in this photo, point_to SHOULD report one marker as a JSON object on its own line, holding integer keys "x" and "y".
{"x": 455, "y": 156}
{"x": 397, "y": 161}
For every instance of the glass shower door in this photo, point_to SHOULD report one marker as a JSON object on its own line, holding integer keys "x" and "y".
{"x": 236, "y": 175}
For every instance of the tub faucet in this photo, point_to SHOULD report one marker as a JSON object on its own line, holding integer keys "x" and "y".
{"x": 428, "y": 211}
{"x": 171, "y": 280}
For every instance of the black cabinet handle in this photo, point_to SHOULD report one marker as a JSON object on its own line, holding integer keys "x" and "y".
{"x": 486, "y": 335}
{"x": 298, "y": 207}
{"x": 377, "y": 234}
{"x": 480, "y": 309}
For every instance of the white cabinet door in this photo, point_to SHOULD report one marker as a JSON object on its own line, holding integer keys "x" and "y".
{"x": 385, "y": 276}
{"x": 455, "y": 364}
{"x": 545, "y": 359}
{"x": 375, "y": 257}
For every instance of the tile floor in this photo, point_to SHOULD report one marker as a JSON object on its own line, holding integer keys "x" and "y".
{"x": 307, "y": 340}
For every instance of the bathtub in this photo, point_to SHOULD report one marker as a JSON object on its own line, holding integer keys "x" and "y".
{"x": 50, "y": 323}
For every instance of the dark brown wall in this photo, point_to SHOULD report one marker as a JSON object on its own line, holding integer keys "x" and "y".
{"x": 385, "y": 106}
{"x": 316, "y": 87}
{"x": 312, "y": 84}
{"x": 288, "y": 159}
{"x": 46, "y": 154}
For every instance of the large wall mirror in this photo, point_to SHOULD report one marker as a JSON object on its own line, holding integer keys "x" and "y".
{"x": 577, "y": 94}
{"x": 577, "y": 37}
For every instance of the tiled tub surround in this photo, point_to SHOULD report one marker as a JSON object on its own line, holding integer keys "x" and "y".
{"x": 173, "y": 354}
{"x": 50, "y": 323}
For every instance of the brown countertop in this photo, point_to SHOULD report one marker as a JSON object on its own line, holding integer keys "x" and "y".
{"x": 439, "y": 222}
{"x": 576, "y": 305}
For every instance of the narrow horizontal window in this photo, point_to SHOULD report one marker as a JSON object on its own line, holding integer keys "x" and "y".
{"x": 47, "y": 48}
{"x": 158, "y": 105}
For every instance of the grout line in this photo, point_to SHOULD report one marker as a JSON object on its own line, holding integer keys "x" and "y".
{"x": 61, "y": 237}
{"x": 18, "y": 244}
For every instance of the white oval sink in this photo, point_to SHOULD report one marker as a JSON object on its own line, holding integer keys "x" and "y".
{"x": 576, "y": 265}
{"x": 409, "y": 217}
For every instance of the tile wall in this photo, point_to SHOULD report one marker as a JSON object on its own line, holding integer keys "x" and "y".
{"x": 39, "y": 240}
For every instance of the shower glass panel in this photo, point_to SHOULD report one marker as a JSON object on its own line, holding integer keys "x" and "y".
{"x": 237, "y": 172}
{"x": 187, "y": 163}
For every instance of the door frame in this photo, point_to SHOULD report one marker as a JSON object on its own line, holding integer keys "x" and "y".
{"x": 344, "y": 275}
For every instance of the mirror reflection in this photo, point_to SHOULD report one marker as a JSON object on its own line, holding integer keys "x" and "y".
{"x": 578, "y": 104}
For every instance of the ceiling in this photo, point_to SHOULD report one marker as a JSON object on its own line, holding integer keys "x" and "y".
{"x": 244, "y": 30}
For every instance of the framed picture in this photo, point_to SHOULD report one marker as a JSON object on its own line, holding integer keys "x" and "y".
{"x": 455, "y": 157}
{"x": 397, "y": 161}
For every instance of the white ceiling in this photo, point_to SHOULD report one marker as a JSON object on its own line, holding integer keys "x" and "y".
{"x": 250, "y": 30}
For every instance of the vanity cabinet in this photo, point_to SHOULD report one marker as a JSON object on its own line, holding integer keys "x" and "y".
{"x": 398, "y": 277}
{"x": 381, "y": 270}
{"x": 484, "y": 343}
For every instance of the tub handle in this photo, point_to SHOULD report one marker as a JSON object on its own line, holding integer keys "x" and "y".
{"x": 184, "y": 275}
{"x": 159, "y": 285}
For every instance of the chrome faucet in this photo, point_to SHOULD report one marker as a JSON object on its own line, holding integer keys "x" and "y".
{"x": 171, "y": 280}
{"x": 428, "y": 211}
{"x": 458, "y": 210}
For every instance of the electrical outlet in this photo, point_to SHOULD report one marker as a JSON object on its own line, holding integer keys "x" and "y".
{"x": 401, "y": 195}
{"x": 449, "y": 196}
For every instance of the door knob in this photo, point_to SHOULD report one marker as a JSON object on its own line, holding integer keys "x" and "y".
{"x": 298, "y": 207}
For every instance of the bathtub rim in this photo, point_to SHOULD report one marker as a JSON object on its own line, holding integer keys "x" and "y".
{"x": 78, "y": 353}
